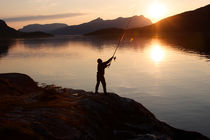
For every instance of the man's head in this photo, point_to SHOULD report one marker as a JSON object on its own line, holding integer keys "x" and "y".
{"x": 99, "y": 61}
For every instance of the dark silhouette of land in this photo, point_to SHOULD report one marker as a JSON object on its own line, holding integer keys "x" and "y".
{"x": 51, "y": 113}
{"x": 191, "y": 21}
{"x": 8, "y": 32}
{"x": 100, "y": 74}
{"x": 97, "y": 24}
{"x": 47, "y": 28}
{"x": 189, "y": 30}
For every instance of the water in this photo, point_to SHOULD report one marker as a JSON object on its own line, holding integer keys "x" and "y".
{"x": 170, "y": 82}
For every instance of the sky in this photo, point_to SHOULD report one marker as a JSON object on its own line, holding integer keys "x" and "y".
{"x": 18, "y": 13}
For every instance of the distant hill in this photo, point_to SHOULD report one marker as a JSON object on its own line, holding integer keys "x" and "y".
{"x": 192, "y": 21}
{"x": 8, "y": 32}
{"x": 97, "y": 24}
{"x": 43, "y": 28}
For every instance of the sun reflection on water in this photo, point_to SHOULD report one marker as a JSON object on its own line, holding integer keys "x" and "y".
{"x": 157, "y": 53}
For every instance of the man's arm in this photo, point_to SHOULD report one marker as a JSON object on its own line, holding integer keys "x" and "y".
{"x": 108, "y": 61}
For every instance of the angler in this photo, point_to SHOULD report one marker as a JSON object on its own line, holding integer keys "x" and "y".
{"x": 102, "y": 65}
{"x": 100, "y": 74}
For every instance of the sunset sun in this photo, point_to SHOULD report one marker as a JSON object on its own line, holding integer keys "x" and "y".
{"x": 157, "y": 11}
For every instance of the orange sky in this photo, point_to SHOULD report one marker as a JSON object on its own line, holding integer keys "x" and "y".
{"x": 18, "y": 13}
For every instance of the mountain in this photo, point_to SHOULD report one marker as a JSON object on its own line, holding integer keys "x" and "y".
{"x": 43, "y": 28}
{"x": 97, "y": 24}
{"x": 8, "y": 32}
{"x": 192, "y": 21}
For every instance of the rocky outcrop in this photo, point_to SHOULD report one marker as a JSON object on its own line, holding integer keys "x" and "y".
{"x": 52, "y": 113}
{"x": 17, "y": 84}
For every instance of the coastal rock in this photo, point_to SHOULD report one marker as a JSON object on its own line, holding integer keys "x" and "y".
{"x": 14, "y": 83}
{"x": 52, "y": 113}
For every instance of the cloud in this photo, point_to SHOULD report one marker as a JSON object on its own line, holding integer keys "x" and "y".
{"x": 42, "y": 17}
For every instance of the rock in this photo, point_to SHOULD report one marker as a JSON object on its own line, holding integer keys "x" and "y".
{"x": 44, "y": 113}
{"x": 15, "y": 83}
{"x": 151, "y": 137}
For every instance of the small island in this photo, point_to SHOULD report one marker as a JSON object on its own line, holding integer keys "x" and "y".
{"x": 32, "y": 112}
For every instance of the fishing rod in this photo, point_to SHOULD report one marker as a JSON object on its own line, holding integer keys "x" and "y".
{"x": 123, "y": 35}
{"x": 121, "y": 39}
{"x": 118, "y": 44}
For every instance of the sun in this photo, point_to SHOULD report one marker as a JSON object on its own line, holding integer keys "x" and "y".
{"x": 157, "y": 11}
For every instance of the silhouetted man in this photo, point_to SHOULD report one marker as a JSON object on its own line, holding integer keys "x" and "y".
{"x": 100, "y": 74}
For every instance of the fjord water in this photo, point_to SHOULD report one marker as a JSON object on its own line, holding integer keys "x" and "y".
{"x": 172, "y": 83}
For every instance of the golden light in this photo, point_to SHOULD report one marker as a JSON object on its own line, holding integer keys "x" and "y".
{"x": 157, "y": 53}
{"x": 157, "y": 11}
{"x": 131, "y": 40}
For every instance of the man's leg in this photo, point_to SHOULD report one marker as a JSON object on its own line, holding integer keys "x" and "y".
{"x": 103, "y": 83}
{"x": 97, "y": 84}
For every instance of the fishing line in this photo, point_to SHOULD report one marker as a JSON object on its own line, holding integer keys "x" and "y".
{"x": 123, "y": 36}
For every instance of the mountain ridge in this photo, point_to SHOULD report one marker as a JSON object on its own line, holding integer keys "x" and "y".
{"x": 8, "y": 32}
{"x": 190, "y": 21}
{"x": 5, "y": 30}
{"x": 42, "y": 27}
{"x": 194, "y": 20}
{"x": 99, "y": 23}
